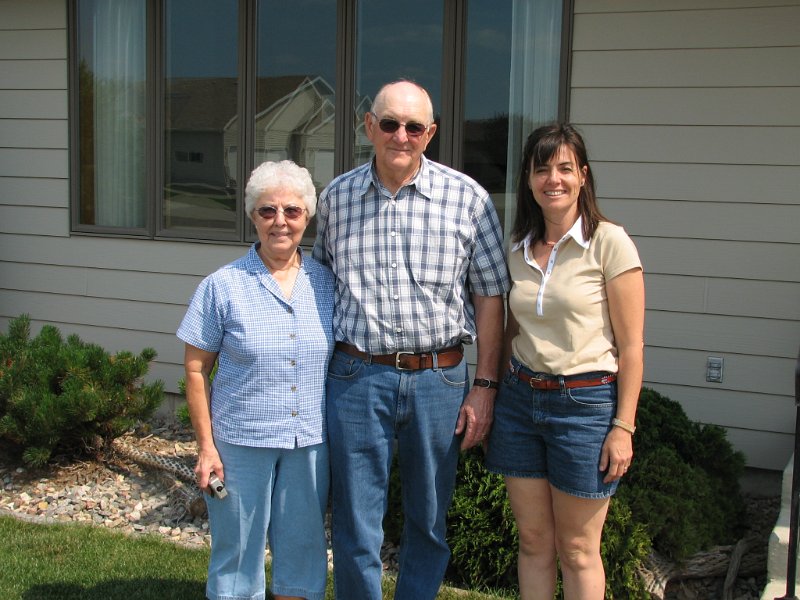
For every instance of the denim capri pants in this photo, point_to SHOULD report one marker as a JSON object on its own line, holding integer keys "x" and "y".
{"x": 555, "y": 434}
{"x": 275, "y": 493}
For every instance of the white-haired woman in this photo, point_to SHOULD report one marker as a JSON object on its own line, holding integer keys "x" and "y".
{"x": 266, "y": 318}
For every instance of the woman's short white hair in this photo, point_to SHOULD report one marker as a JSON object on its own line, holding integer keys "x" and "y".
{"x": 282, "y": 175}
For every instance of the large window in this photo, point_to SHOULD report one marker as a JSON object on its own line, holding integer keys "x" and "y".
{"x": 175, "y": 101}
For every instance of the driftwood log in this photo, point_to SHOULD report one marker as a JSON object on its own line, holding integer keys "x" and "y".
{"x": 176, "y": 475}
{"x": 728, "y": 561}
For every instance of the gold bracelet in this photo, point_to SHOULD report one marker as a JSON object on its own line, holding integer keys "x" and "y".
{"x": 623, "y": 425}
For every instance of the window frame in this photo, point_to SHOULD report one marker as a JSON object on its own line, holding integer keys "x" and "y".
{"x": 450, "y": 131}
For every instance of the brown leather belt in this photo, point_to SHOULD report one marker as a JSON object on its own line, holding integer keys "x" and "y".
{"x": 554, "y": 384}
{"x": 409, "y": 361}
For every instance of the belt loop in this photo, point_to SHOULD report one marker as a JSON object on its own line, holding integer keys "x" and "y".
{"x": 562, "y": 385}
{"x": 435, "y": 356}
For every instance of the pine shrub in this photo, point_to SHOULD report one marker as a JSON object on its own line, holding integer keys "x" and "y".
{"x": 480, "y": 528}
{"x": 68, "y": 395}
{"x": 683, "y": 484}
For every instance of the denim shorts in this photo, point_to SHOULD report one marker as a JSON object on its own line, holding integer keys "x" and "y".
{"x": 553, "y": 434}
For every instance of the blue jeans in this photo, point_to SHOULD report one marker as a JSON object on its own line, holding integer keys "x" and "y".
{"x": 275, "y": 493}
{"x": 368, "y": 407}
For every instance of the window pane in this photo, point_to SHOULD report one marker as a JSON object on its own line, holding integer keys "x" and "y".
{"x": 396, "y": 41}
{"x": 535, "y": 68}
{"x": 489, "y": 32}
{"x": 295, "y": 91}
{"x": 200, "y": 109}
{"x": 111, "y": 107}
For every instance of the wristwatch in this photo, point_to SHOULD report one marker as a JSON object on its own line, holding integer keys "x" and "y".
{"x": 486, "y": 383}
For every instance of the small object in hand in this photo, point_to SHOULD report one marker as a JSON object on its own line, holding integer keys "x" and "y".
{"x": 216, "y": 488}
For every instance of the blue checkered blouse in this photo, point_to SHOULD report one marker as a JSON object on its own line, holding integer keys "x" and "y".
{"x": 269, "y": 389}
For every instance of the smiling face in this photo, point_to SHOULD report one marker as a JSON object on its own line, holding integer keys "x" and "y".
{"x": 397, "y": 154}
{"x": 556, "y": 185}
{"x": 280, "y": 236}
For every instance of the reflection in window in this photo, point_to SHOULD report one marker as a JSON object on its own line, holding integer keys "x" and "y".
{"x": 200, "y": 101}
{"x": 489, "y": 31}
{"x": 295, "y": 90}
{"x": 111, "y": 107}
{"x": 535, "y": 65}
{"x": 396, "y": 44}
{"x": 512, "y": 72}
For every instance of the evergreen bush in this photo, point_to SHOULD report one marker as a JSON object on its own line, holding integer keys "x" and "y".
{"x": 68, "y": 395}
{"x": 480, "y": 528}
{"x": 683, "y": 484}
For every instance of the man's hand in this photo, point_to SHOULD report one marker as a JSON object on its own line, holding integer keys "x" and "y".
{"x": 475, "y": 416}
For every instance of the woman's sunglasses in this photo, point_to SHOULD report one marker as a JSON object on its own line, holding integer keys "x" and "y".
{"x": 270, "y": 212}
{"x": 413, "y": 129}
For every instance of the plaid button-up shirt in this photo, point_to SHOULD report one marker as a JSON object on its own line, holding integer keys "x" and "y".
{"x": 269, "y": 389}
{"x": 405, "y": 265}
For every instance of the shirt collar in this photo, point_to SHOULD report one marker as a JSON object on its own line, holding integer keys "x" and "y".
{"x": 575, "y": 232}
{"x": 421, "y": 181}
{"x": 256, "y": 265}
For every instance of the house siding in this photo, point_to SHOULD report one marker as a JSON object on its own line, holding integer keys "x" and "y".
{"x": 691, "y": 111}
{"x": 123, "y": 294}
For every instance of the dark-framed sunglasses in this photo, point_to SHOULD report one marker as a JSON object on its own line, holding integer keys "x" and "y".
{"x": 388, "y": 125}
{"x": 270, "y": 212}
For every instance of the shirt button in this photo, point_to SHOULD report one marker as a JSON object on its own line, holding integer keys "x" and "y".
{"x": 398, "y": 330}
{"x": 294, "y": 413}
{"x": 294, "y": 388}
{"x": 292, "y": 336}
{"x": 289, "y": 309}
{"x": 394, "y": 265}
{"x": 293, "y": 362}
{"x": 396, "y": 297}
{"x": 393, "y": 234}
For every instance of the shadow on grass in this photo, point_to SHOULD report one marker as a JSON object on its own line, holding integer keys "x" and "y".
{"x": 141, "y": 589}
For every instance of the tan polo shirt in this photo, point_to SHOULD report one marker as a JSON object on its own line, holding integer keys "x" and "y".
{"x": 564, "y": 327}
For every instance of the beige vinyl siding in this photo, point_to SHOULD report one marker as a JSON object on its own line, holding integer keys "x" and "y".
{"x": 123, "y": 294}
{"x": 691, "y": 111}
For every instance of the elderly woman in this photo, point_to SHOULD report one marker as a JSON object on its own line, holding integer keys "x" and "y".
{"x": 266, "y": 318}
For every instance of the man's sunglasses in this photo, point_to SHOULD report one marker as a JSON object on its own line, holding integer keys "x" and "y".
{"x": 270, "y": 212}
{"x": 413, "y": 129}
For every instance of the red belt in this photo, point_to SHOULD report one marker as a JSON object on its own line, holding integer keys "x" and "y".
{"x": 554, "y": 384}
{"x": 409, "y": 361}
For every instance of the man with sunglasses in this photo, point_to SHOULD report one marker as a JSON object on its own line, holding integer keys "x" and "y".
{"x": 416, "y": 250}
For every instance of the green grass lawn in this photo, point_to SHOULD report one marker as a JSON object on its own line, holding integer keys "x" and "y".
{"x": 66, "y": 562}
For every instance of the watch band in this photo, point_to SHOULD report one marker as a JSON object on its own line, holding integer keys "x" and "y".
{"x": 486, "y": 383}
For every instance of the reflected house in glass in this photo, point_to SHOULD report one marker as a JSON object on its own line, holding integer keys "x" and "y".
{"x": 295, "y": 121}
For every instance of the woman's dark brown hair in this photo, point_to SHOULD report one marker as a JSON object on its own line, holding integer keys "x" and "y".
{"x": 542, "y": 145}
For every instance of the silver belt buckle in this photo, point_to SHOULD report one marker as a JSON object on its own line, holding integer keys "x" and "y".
{"x": 397, "y": 361}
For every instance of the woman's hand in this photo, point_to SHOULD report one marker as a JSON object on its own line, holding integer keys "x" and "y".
{"x": 617, "y": 454}
{"x": 208, "y": 461}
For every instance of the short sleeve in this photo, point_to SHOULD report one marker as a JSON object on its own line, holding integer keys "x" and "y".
{"x": 202, "y": 326}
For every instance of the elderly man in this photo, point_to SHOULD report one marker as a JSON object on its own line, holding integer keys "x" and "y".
{"x": 416, "y": 250}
